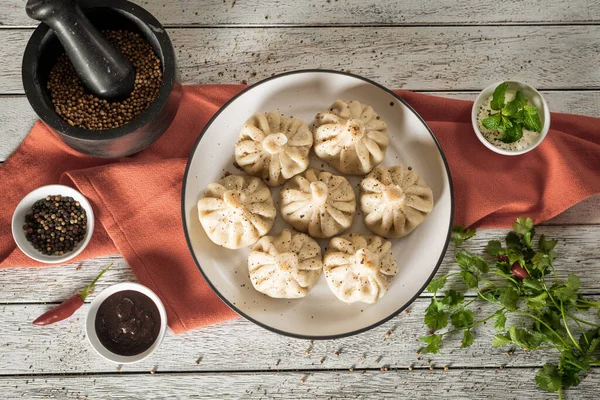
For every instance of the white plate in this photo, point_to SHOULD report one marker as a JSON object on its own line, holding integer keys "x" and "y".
{"x": 320, "y": 315}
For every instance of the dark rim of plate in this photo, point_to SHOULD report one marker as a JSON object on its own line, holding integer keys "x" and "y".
{"x": 291, "y": 334}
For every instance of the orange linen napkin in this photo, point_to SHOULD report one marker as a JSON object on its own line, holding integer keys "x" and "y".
{"x": 137, "y": 199}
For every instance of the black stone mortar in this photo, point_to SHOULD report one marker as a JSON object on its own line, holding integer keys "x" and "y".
{"x": 43, "y": 50}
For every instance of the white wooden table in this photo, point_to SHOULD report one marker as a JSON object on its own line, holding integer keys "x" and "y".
{"x": 448, "y": 47}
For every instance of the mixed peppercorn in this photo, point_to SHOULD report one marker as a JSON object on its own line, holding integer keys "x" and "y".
{"x": 55, "y": 225}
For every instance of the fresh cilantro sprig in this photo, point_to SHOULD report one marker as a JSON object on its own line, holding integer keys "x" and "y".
{"x": 513, "y": 116}
{"x": 525, "y": 284}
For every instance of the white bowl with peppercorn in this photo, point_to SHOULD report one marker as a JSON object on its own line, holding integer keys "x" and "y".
{"x": 53, "y": 224}
{"x": 510, "y": 118}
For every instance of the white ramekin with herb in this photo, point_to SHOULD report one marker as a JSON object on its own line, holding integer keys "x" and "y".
{"x": 510, "y": 118}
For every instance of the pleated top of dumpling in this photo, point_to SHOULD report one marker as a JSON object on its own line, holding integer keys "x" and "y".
{"x": 394, "y": 201}
{"x": 359, "y": 268}
{"x": 273, "y": 147}
{"x": 351, "y": 137}
{"x": 236, "y": 211}
{"x": 285, "y": 266}
{"x": 318, "y": 203}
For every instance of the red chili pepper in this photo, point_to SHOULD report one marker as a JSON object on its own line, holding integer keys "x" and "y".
{"x": 65, "y": 309}
{"x": 519, "y": 271}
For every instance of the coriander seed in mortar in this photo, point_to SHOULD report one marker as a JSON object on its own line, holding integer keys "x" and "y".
{"x": 81, "y": 109}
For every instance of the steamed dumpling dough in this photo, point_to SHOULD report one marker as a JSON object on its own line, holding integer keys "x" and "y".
{"x": 318, "y": 203}
{"x": 351, "y": 137}
{"x": 236, "y": 211}
{"x": 285, "y": 266}
{"x": 359, "y": 268}
{"x": 273, "y": 147}
{"x": 394, "y": 201}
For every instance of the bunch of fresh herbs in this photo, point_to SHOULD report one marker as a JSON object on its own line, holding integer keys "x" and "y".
{"x": 513, "y": 116}
{"x": 529, "y": 286}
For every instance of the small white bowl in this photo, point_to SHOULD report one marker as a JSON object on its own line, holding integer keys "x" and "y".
{"x": 24, "y": 207}
{"x": 533, "y": 96}
{"x": 90, "y": 323}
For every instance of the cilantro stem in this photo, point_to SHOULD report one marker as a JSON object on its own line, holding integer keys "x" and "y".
{"x": 562, "y": 312}
{"x": 560, "y": 396}
{"x": 530, "y": 316}
{"x": 470, "y": 326}
{"x": 594, "y": 304}
{"x": 506, "y": 277}
{"x": 581, "y": 320}
{"x": 545, "y": 324}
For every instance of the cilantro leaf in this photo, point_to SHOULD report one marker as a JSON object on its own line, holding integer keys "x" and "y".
{"x": 435, "y": 316}
{"x": 549, "y": 378}
{"x": 570, "y": 367}
{"x": 524, "y": 228}
{"x": 523, "y": 225}
{"x": 433, "y": 343}
{"x": 511, "y": 134}
{"x": 460, "y": 234}
{"x": 531, "y": 119}
{"x": 493, "y": 248}
{"x": 534, "y": 284}
{"x": 525, "y": 339}
{"x": 574, "y": 281}
{"x": 537, "y": 303}
{"x": 471, "y": 263}
{"x": 509, "y": 297}
{"x": 589, "y": 340}
{"x": 468, "y": 339}
{"x": 436, "y": 284}
{"x": 500, "y": 321}
{"x": 469, "y": 279}
{"x": 452, "y": 298}
{"x": 462, "y": 319}
{"x": 498, "y": 96}
{"x": 540, "y": 262}
{"x": 500, "y": 340}
{"x": 547, "y": 246}
{"x": 513, "y": 241}
{"x": 493, "y": 122}
{"x": 567, "y": 291}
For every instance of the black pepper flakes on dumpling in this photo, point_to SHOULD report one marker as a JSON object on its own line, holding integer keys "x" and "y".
{"x": 394, "y": 201}
{"x": 285, "y": 266}
{"x": 351, "y": 137}
{"x": 236, "y": 211}
{"x": 273, "y": 147}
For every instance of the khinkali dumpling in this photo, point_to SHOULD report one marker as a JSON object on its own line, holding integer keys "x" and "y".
{"x": 351, "y": 137}
{"x": 285, "y": 266}
{"x": 319, "y": 203}
{"x": 359, "y": 268}
{"x": 273, "y": 147}
{"x": 394, "y": 201}
{"x": 236, "y": 211}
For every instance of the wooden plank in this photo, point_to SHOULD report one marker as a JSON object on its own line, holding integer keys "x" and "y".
{"x": 577, "y": 253}
{"x": 396, "y": 384}
{"x": 240, "y": 345}
{"x": 436, "y": 58}
{"x": 347, "y": 12}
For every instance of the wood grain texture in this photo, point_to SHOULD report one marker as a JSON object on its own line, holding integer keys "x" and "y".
{"x": 239, "y": 345}
{"x": 346, "y": 12}
{"x": 577, "y": 253}
{"x": 516, "y": 384}
{"x": 436, "y": 58}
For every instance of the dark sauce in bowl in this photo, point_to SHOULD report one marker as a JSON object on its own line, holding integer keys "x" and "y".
{"x": 127, "y": 323}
